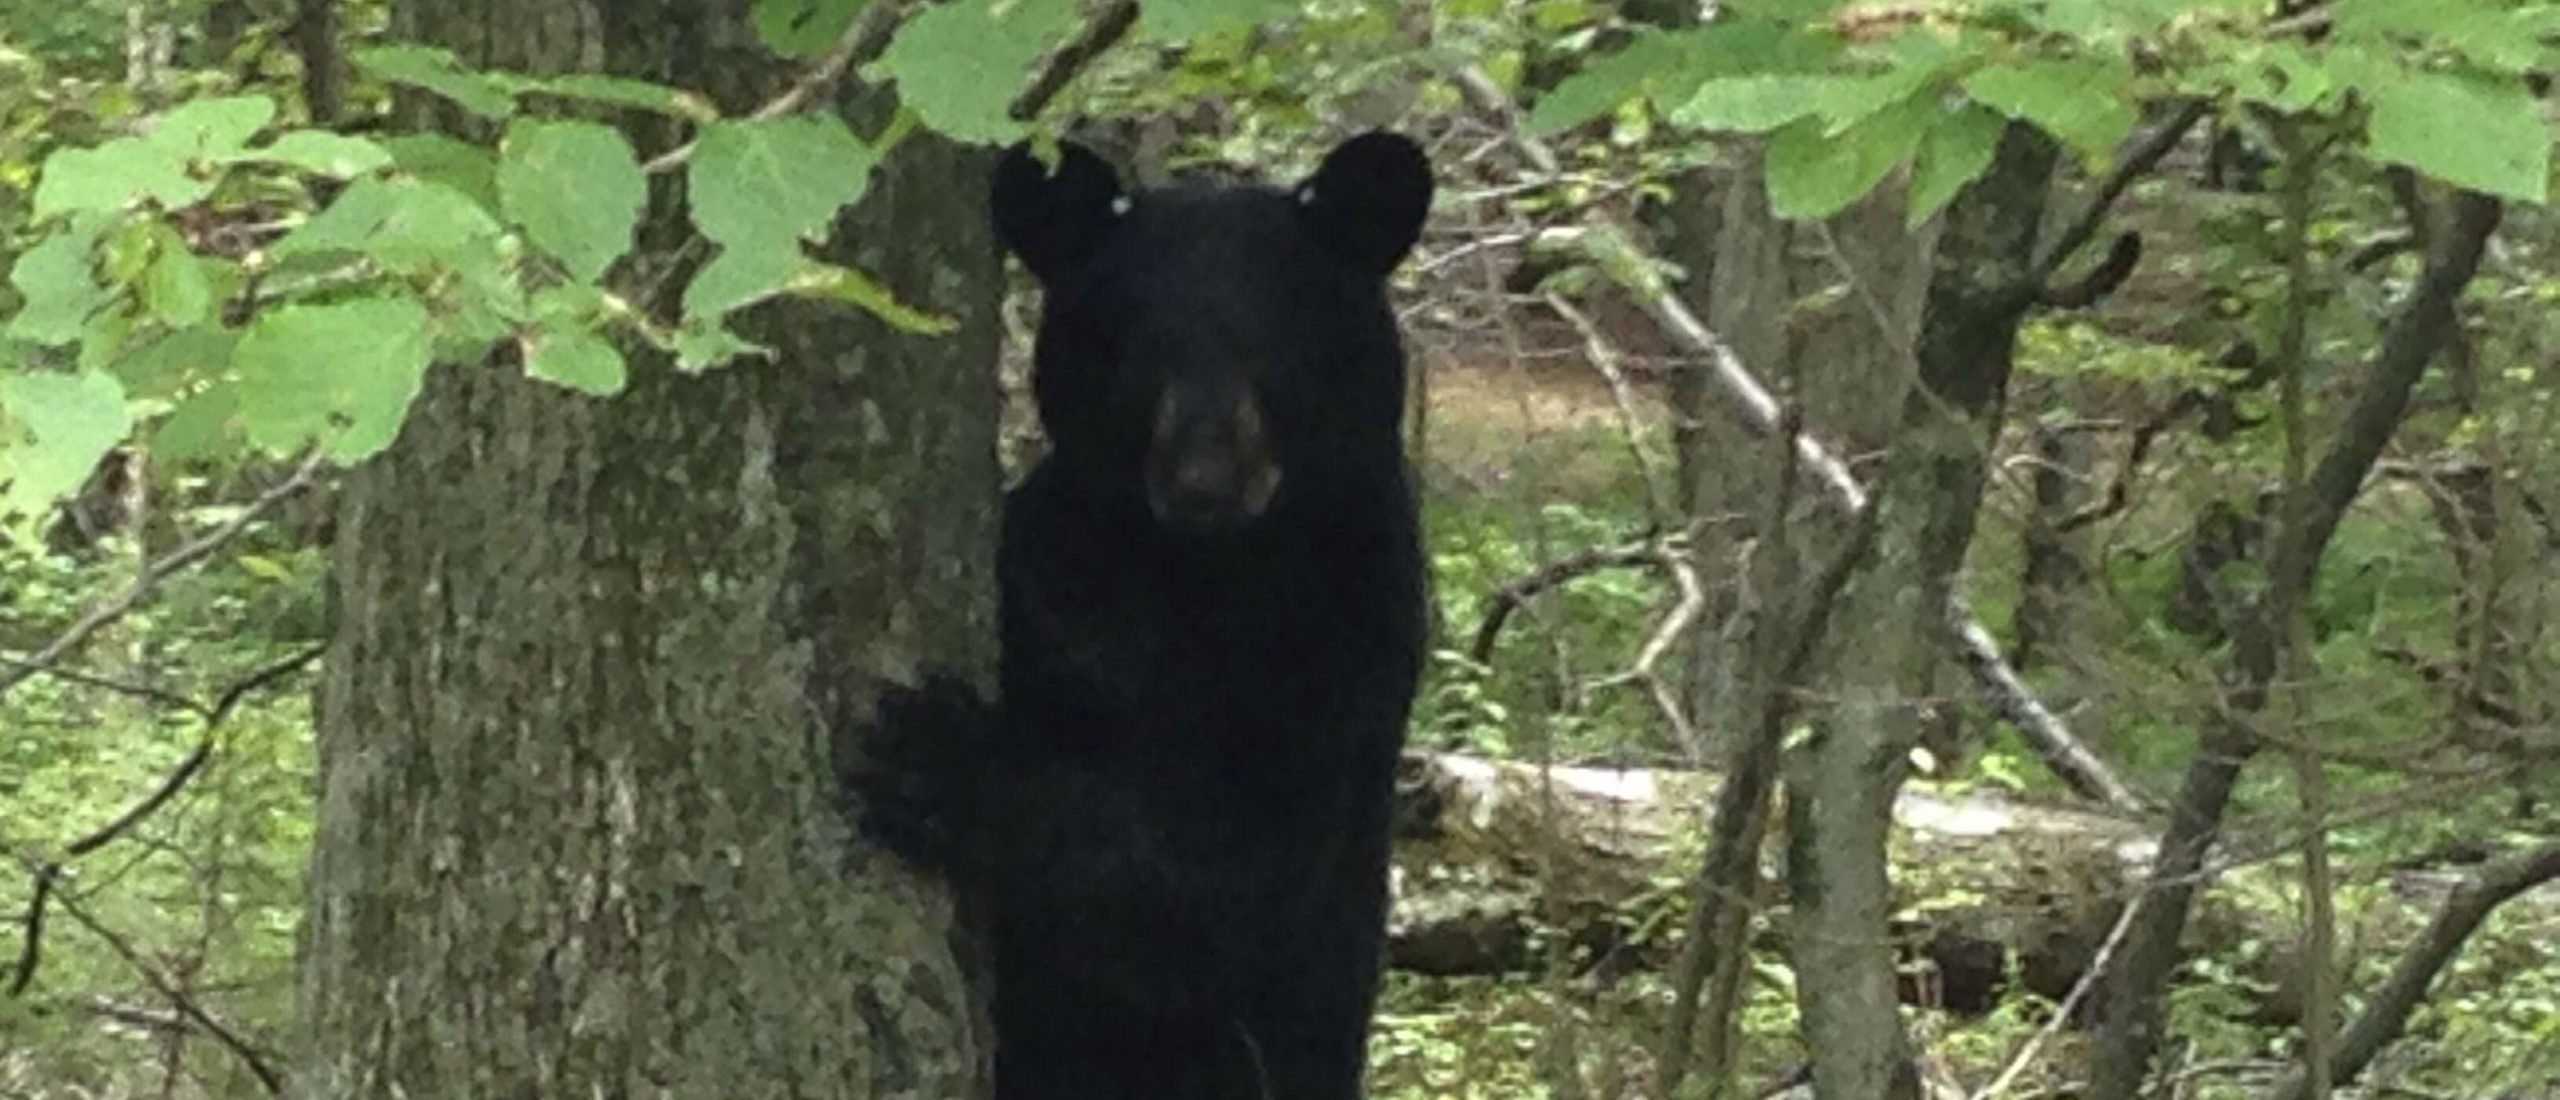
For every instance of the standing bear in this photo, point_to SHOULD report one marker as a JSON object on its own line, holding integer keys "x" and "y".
{"x": 1174, "y": 822}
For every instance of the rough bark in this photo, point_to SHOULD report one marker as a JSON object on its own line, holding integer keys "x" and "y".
{"x": 579, "y": 830}
{"x": 2129, "y": 1032}
{"x": 1841, "y": 784}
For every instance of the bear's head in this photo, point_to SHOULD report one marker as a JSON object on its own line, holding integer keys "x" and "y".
{"x": 1211, "y": 353}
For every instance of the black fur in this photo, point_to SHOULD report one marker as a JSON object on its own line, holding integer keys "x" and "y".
{"x": 1212, "y": 616}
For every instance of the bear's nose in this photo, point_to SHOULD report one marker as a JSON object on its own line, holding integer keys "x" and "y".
{"x": 1209, "y": 466}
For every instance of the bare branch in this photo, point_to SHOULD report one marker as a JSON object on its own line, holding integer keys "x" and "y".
{"x": 259, "y": 1064}
{"x": 47, "y": 872}
{"x": 2137, "y": 162}
{"x": 862, "y": 40}
{"x": 1102, "y": 30}
{"x": 1521, "y": 589}
{"x": 159, "y": 571}
{"x": 2063, "y": 1012}
{"x": 1759, "y": 407}
{"x": 2388, "y": 1009}
{"x": 1605, "y": 359}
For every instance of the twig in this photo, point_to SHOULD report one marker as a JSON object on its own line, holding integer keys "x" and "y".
{"x": 1672, "y": 557}
{"x": 1760, "y": 409}
{"x": 161, "y": 570}
{"x": 1101, "y": 32}
{"x": 1604, "y": 358}
{"x": 862, "y": 40}
{"x": 2133, "y": 165}
{"x": 2062, "y": 1013}
{"x": 1519, "y": 590}
{"x": 160, "y": 983}
{"x": 48, "y": 872}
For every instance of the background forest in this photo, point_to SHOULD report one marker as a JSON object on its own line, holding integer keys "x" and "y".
{"x": 2005, "y": 538}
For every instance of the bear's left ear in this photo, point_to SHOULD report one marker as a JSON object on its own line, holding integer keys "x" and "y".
{"x": 1367, "y": 200}
{"x": 1054, "y": 221}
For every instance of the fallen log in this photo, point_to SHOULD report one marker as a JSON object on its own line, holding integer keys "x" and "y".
{"x": 1506, "y": 868}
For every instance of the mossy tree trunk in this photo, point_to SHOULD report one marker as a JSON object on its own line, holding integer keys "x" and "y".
{"x": 579, "y": 829}
{"x": 1841, "y": 783}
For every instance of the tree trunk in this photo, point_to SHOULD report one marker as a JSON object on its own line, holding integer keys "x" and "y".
{"x": 1841, "y": 784}
{"x": 579, "y": 829}
{"x": 2131, "y": 1020}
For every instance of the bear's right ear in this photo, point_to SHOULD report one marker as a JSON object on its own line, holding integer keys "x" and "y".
{"x": 1053, "y": 221}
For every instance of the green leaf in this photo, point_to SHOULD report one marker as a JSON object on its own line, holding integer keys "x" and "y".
{"x": 54, "y": 278}
{"x": 1667, "y": 66}
{"x": 1958, "y": 147}
{"x": 577, "y": 359}
{"x": 171, "y": 361}
{"x": 740, "y": 275}
{"x": 844, "y": 284}
{"x": 803, "y": 29}
{"x": 576, "y": 189}
{"x": 460, "y": 165}
{"x": 2484, "y": 135}
{"x": 112, "y": 176}
{"x": 2084, "y": 104}
{"x": 342, "y": 372}
{"x": 574, "y": 358}
{"x": 65, "y": 423}
{"x": 1752, "y": 104}
{"x": 2283, "y": 76}
{"x": 1182, "y": 20}
{"x": 2481, "y": 31}
{"x": 321, "y": 153}
{"x": 178, "y": 286}
{"x": 197, "y": 425}
{"x": 439, "y": 71}
{"x": 213, "y": 127}
{"x": 410, "y": 226}
{"x": 1813, "y": 176}
{"x": 959, "y": 64}
{"x": 772, "y": 181}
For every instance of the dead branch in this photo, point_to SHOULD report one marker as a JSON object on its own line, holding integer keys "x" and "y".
{"x": 2079, "y": 767}
{"x": 1760, "y": 409}
{"x": 1605, "y": 358}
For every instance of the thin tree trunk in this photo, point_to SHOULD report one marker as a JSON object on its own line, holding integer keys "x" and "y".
{"x": 2129, "y": 1005}
{"x": 579, "y": 829}
{"x": 1841, "y": 785}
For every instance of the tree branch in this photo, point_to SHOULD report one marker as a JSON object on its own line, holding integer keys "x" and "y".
{"x": 1759, "y": 407}
{"x": 863, "y": 39}
{"x": 47, "y": 872}
{"x": 2388, "y": 1009}
{"x": 1102, "y": 30}
{"x": 258, "y": 1063}
{"x": 2136, "y": 163}
{"x": 157, "y": 572}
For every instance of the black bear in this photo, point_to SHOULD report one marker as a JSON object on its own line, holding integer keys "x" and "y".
{"x": 1175, "y": 820}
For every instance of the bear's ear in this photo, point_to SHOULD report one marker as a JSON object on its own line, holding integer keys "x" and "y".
{"x": 1367, "y": 200}
{"x": 1052, "y": 221}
